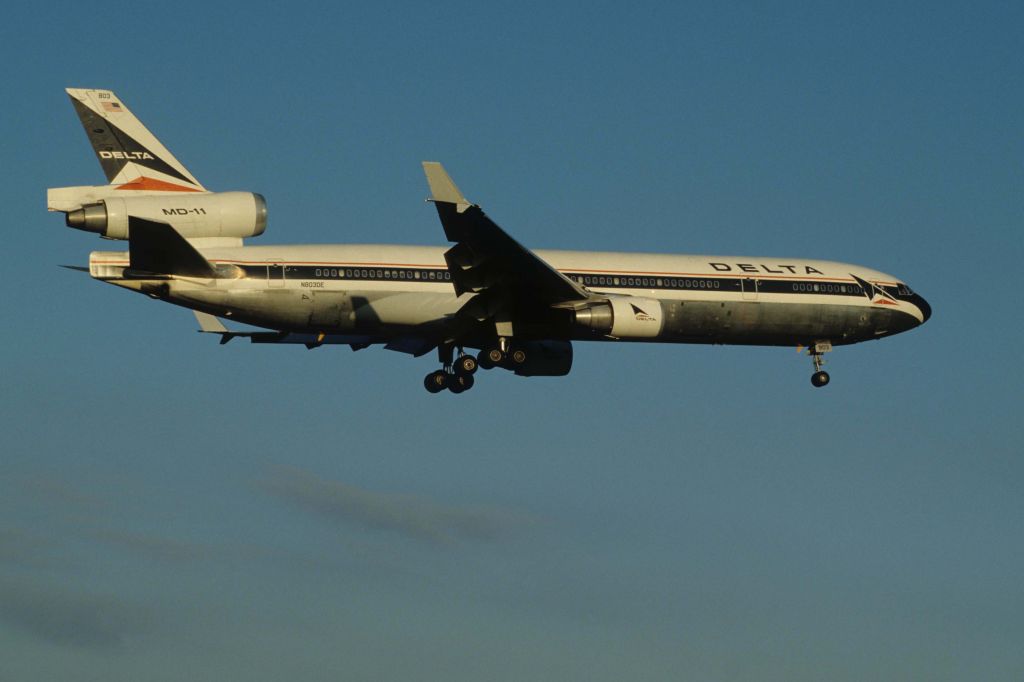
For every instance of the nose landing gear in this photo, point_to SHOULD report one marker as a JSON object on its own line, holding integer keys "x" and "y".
{"x": 820, "y": 377}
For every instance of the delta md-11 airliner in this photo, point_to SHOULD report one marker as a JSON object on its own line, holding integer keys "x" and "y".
{"x": 521, "y": 309}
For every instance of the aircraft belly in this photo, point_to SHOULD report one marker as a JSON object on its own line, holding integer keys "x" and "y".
{"x": 319, "y": 311}
{"x": 270, "y": 308}
{"x": 765, "y": 323}
{"x": 407, "y": 309}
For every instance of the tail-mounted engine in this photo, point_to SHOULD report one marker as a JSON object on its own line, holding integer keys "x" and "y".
{"x": 623, "y": 317}
{"x": 220, "y": 214}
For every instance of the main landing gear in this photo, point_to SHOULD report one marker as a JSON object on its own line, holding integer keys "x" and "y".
{"x": 435, "y": 382}
{"x": 820, "y": 377}
{"x": 456, "y": 377}
{"x": 456, "y": 373}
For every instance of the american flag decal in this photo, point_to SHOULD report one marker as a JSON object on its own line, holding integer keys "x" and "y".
{"x": 112, "y": 106}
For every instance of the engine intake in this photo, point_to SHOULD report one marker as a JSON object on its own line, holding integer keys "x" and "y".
{"x": 221, "y": 214}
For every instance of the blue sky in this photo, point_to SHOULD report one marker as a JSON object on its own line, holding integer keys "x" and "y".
{"x": 171, "y": 508}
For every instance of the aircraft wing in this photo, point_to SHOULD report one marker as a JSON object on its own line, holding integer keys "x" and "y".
{"x": 487, "y": 261}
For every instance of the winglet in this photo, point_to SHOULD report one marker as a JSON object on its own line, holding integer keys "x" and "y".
{"x": 442, "y": 188}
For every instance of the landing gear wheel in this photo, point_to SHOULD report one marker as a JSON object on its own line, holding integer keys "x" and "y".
{"x": 435, "y": 382}
{"x": 457, "y": 383}
{"x": 518, "y": 356}
{"x": 484, "y": 361}
{"x": 820, "y": 379}
{"x": 495, "y": 356}
{"x": 466, "y": 365}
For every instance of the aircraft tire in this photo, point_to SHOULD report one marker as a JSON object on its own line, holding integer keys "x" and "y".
{"x": 466, "y": 365}
{"x": 484, "y": 361}
{"x": 518, "y": 356}
{"x": 495, "y": 356}
{"x": 435, "y": 382}
{"x": 820, "y": 379}
{"x": 457, "y": 383}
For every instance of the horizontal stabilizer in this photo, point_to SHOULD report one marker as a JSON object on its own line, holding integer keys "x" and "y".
{"x": 158, "y": 248}
{"x": 209, "y": 323}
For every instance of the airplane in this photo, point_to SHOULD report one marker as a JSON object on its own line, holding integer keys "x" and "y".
{"x": 521, "y": 309}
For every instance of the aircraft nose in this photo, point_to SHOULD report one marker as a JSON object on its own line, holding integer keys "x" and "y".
{"x": 926, "y": 310}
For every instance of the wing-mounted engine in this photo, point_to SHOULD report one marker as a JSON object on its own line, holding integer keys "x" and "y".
{"x": 545, "y": 359}
{"x": 214, "y": 214}
{"x": 622, "y": 317}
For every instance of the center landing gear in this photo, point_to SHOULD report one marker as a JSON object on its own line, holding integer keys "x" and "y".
{"x": 456, "y": 376}
{"x": 820, "y": 377}
{"x": 503, "y": 356}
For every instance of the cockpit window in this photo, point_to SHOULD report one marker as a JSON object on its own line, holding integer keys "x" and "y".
{"x": 905, "y": 290}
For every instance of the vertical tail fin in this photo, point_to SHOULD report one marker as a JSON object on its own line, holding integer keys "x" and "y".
{"x": 131, "y": 156}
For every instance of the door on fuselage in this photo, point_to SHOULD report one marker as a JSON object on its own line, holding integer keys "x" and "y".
{"x": 749, "y": 288}
{"x": 275, "y": 274}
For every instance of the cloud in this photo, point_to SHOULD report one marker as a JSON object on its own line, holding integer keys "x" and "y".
{"x": 61, "y": 617}
{"x": 407, "y": 515}
{"x": 155, "y": 547}
{"x": 58, "y": 491}
{"x": 19, "y": 548}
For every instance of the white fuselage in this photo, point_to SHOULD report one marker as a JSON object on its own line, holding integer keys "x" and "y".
{"x": 380, "y": 291}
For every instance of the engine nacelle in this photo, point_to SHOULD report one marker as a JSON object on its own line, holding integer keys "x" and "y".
{"x": 221, "y": 214}
{"x": 624, "y": 317}
{"x": 545, "y": 359}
